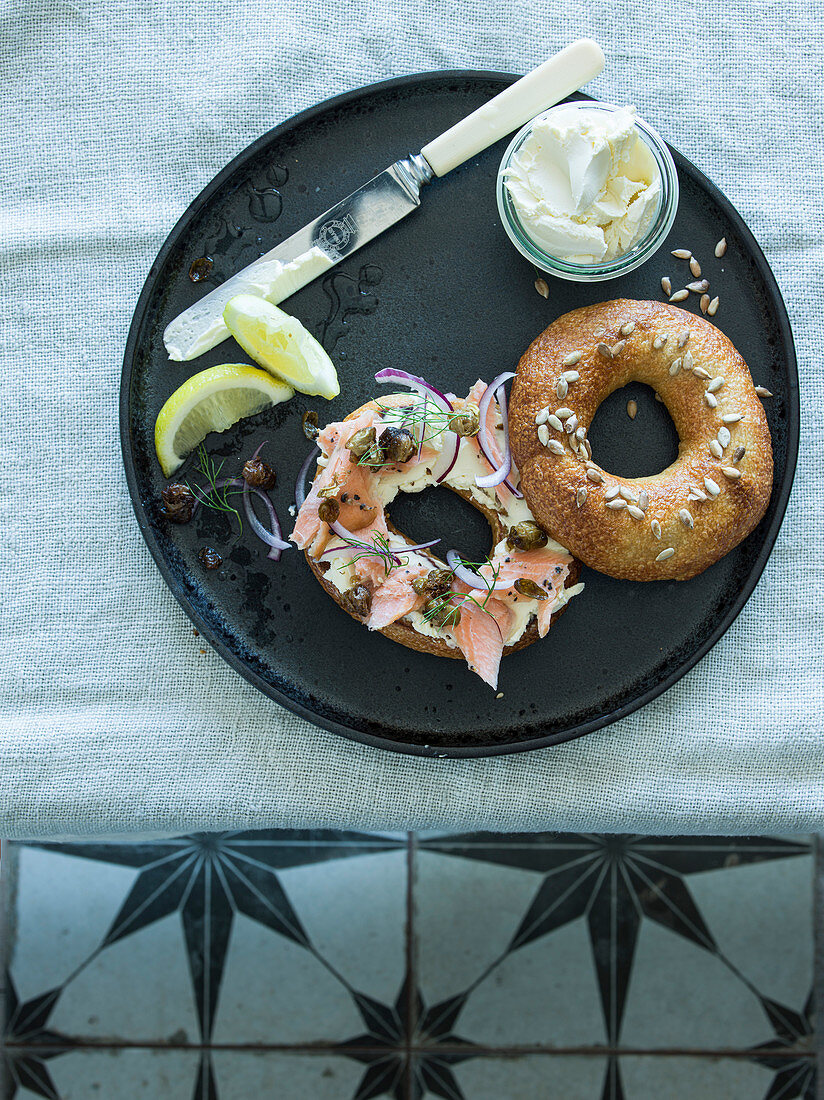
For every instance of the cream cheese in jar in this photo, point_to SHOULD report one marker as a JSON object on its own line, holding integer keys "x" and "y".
{"x": 584, "y": 183}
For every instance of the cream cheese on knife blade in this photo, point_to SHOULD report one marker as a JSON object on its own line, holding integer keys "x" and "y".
{"x": 196, "y": 331}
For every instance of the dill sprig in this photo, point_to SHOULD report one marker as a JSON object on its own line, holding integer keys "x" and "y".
{"x": 445, "y": 609}
{"x": 215, "y": 497}
{"x": 426, "y": 417}
{"x": 379, "y": 547}
{"x": 424, "y": 414}
{"x": 364, "y": 461}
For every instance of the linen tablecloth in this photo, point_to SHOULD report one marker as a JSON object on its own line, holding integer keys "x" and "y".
{"x": 111, "y": 720}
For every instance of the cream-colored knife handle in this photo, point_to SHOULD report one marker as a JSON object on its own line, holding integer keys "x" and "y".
{"x": 562, "y": 74}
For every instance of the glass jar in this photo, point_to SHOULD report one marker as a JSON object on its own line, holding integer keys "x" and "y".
{"x": 638, "y": 254}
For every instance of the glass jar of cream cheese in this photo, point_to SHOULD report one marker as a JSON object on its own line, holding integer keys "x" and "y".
{"x": 587, "y": 191}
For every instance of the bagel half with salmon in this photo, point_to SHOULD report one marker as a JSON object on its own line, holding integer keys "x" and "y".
{"x": 405, "y": 633}
{"x": 426, "y": 599}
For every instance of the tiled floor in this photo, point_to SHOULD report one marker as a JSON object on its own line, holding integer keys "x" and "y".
{"x": 348, "y": 966}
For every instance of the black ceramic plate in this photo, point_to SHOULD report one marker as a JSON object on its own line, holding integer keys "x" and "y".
{"x": 442, "y": 294}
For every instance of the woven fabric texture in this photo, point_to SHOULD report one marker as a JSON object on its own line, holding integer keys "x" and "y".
{"x": 116, "y": 114}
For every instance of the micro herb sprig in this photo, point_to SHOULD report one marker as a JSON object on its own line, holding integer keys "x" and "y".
{"x": 427, "y": 417}
{"x": 445, "y": 609}
{"x": 364, "y": 461}
{"x": 216, "y": 496}
{"x": 380, "y": 548}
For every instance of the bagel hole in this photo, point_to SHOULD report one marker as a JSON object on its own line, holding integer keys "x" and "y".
{"x": 440, "y": 513}
{"x": 633, "y": 448}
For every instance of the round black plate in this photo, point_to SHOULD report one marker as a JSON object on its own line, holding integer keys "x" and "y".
{"x": 445, "y": 295}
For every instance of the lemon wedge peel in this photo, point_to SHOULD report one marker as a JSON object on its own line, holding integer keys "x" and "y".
{"x": 281, "y": 345}
{"x": 212, "y": 401}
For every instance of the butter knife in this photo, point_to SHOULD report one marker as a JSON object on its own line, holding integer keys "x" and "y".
{"x": 384, "y": 200}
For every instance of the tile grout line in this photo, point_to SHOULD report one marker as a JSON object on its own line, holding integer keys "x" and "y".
{"x": 480, "y": 1051}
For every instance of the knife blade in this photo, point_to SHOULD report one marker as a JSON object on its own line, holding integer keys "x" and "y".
{"x": 285, "y": 269}
{"x": 383, "y": 201}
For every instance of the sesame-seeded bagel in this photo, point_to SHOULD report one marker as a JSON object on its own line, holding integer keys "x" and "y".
{"x": 669, "y": 526}
{"x": 404, "y": 632}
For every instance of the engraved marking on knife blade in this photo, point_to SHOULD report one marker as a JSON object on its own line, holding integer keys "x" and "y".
{"x": 335, "y": 235}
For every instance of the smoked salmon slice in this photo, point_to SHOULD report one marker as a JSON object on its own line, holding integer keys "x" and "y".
{"x": 355, "y": 480}
{"x": 546, "y": 568}
{"x": 480, "y": 633}
{"x": 395, "y": 596}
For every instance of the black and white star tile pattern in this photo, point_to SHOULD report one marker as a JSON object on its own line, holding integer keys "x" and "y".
{"x": 353, "y": 966}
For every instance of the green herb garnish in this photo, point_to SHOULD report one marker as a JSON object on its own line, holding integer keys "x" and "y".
{"x": 380, "y": 547}
{"x": 427, "y": 415}
{"x": 445, "y": 609}
{"x": 215, "y": 497}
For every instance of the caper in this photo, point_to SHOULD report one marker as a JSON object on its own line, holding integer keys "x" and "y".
{"x": 310, "y": 424}
{"x": 328, "y": 510}
{"x": 209, "y": 557}
{"x": 178, "y": 503}
{"x": 361, "y": 441}
{"x": 526, "y": 536}
{"x": 435, "y": 583}
{"x": 467, "y": 421}
{"x": 529, "y": 588}
{"x": 441, "y": 612}
{"x": 258, "y": 474}
{"x": 398, "y": 443}
{"x": 375, "y": 456}
{"x": 358, "y": 600}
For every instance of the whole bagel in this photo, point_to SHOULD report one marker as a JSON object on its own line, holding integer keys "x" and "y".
{"x": 674, "y": 524}
{"x": 403, "y": 632}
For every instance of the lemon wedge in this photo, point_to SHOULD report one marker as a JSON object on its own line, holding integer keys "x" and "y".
{"x": 212, "y": 401}
{"x": 281, "y": 345}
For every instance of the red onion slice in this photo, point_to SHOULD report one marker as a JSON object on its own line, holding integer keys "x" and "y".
{"x": 470, "y": 577}
{"x": 273, "y": 538}
{"x": 500, "y": 394}
{"x": 420, "y": 546}
{"x": 300, "y": 484}
{"x": 455, "y": 448}
{"x": 343, "y": 532}
{"x": 419, "y": 385}
{"x": 423, "y": 427}
{"x": 500, "y": 473}
{"x": 451, "y": 441}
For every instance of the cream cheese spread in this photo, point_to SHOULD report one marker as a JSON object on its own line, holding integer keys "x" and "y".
{"x": 584, "y": 183}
